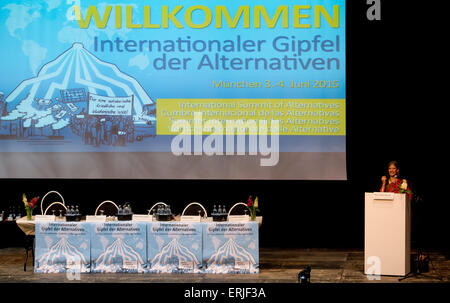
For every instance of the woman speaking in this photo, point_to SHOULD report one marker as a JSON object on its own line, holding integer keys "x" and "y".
{"x": 393, "y": 183}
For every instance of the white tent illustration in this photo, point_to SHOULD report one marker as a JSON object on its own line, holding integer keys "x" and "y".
{"x": 172, "y": 255}
{"x": 117, "y": 251}
{"x": 60, "y": 254}
{"x": 76, "y": 68}
{"x": 227, "y": 255}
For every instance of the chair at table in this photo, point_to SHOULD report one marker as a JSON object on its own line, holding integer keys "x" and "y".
{"x": 29, "y": 245}
{"x": 194, "y": 209}
{"x": 238, "y": 209}
{"x": 56, "y": 208}
{"x": 45, "y": 196}
{"x": 155, "y": 205}
{"x": 108, "y": 208}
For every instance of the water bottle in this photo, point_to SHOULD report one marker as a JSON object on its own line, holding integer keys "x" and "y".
{"x": 214, "y": 212}
{"x": 220, "y": 214}
{"x": 77, "y": 211}
{"x": 13, "y": 213}
{"x": 120, "y": 211}
{"x": 169, "y": 212}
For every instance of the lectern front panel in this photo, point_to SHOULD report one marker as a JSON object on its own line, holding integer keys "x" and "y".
{"x": 387, "y": 234}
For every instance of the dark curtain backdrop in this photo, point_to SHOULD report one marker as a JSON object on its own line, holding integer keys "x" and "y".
{"x": 389, "y": 117}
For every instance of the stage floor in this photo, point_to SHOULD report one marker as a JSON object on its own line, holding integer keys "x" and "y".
{"x": 276, "y": 266}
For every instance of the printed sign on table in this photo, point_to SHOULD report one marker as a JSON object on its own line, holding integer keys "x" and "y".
{"x": 231, "y": 247}
{"x": 118, "y": 247}
{"x": 62, "y": 247}
{"x": 174, "y": 247}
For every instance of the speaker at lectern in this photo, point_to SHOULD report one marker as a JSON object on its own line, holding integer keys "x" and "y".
{"x": 387, "y": 242}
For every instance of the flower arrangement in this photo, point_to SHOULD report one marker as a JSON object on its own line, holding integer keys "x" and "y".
{"x": 252, "y": 207}
{"x": 29, "y": 205}
{"x": 403, "y": 188}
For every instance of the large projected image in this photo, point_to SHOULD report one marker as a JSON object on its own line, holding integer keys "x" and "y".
{"x": 170, "y": 89}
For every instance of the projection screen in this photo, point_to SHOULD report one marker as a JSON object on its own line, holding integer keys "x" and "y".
{"x": 173, "y": 89}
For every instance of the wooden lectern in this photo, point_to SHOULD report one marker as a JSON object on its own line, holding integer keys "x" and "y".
{"x": 387, "y": 243}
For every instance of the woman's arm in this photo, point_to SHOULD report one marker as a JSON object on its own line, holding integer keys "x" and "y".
{"x": 383, "y": 184}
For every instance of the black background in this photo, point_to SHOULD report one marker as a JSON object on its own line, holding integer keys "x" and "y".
{"x": 389, "y": 114}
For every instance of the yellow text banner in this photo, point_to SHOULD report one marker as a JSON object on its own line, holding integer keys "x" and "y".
{"x": 303, "y": 117}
